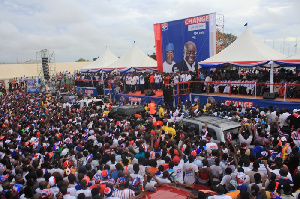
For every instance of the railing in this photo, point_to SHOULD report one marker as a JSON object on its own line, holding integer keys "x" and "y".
{"x": 187, "y": 87}
{"x": 282, "y": 91}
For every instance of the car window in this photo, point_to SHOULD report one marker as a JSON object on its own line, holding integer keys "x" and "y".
{"x": 186, "y": 126}
{"x": 99, "y": 103}
{"x": 234, "y": 133}
{"x": 211, "y": 133}
{"x": 114, "y": 110}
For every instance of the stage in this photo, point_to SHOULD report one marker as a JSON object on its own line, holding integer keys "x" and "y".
{"x": 237, "y": 100}
{"x": 248, "y": 100}
{"x": 142, "y": 98}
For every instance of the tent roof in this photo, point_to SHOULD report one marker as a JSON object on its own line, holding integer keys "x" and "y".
{"x": 9, "y": 71}
{"x": 294, "y": 57}
{"x": 135, "y": 57}
{"x": 293, "y": 60}
{"x": 246, "y": 48}
{"x": 103, "y": 61}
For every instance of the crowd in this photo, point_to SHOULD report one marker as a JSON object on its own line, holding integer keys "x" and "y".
{"x": 49, "y": 150}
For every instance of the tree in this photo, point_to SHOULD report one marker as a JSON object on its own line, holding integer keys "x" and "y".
{"x": 223, "y": 43}
{"x": 80, "y": 60}
{"x": 153, "y": 56}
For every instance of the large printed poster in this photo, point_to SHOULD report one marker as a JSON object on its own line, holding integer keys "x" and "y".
{"x": 181, "y": 44}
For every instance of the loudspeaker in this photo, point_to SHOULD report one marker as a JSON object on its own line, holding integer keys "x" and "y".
{"x": 100, "y": 90}
{"x": 198, "y": 86}
{"x": 45, "y": 67}
{"x": 268, "y": 95}
{"x": 149, "y": 92}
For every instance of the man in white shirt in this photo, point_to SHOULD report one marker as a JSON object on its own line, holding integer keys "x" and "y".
{"x": 142, "y": 83}
{"x": 178, "y": 168}
{"x": 156, "y": 81}
{"x": 169, "y": 54}
{"x": 87, "y": 192}
{"x": 191, "y": 170}
{"x": 133, "y": 82}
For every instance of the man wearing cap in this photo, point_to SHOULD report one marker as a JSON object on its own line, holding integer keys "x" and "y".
{"x": 169, "y": 53}
{"x": 294, "y": 119}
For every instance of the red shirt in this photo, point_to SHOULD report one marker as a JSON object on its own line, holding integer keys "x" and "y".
{"x": 152, "y": 79}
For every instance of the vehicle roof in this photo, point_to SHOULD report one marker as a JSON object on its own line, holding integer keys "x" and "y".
{"x": 130, "y": 106}
{"x": 219, "y": 122}
{"x": 92, "y": 100}
{"x": 166, "y": 191}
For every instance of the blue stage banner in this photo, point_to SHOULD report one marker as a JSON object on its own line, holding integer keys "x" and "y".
{"x": 91, "y": 91}
{"x": 141, "y": 99}
{"x": 188, "y": 41}
{"x": 31, "y": 86}
{"x": 245, "y": 102}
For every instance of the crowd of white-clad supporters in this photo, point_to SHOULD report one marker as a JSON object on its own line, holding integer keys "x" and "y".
{"x": 49, "y": 150}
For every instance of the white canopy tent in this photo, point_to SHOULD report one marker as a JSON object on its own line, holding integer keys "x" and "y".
{"x": 9, "y": 71}
{"x": 134, "y": 58}
{"x": 245, "y": 51}
{"x": 103, "y": 61}
{"x": 291, "y": 61}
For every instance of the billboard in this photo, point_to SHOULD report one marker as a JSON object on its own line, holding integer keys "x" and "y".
{"x": 181, "y": 44}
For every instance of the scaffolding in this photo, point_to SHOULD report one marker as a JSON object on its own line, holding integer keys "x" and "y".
{"x": 46, "y": 64}
{"x": 220, "y": 45}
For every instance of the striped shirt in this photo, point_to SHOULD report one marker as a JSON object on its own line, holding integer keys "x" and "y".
{"x": 124, "y": 194}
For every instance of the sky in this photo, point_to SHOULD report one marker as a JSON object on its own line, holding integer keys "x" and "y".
{"x": 74, "y": 29}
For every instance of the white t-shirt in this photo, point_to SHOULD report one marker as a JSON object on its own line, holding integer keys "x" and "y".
{"x": 219, "y": 197}
{"x": 164, "y": 180}
{"x": 216, "y": 171}
{"x": 87, "y": 192}
{"x": 150, "y": 185}
{"x": 190, "y": 169}
{"x": 226, "y": 180}
{"x": 210, "y": 147}
{"x": 168, "y": 67}
{"x": 156, "y": 78}
{"x": 179, "y": 171}
{"x": 142, "y": 79}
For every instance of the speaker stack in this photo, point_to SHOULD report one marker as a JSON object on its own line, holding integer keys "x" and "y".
{"x": 149, "y": 92}
{"x": 268, "y": 95}
{"x": 168, "y": 94}
{"x": 45, "y": 68}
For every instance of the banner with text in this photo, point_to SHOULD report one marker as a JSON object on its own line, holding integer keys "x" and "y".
{"x": 181, "y": 44}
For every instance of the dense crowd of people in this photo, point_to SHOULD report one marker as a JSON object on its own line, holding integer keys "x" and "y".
{"x": 50, "y": 150}
{"x": 54, "y": 149}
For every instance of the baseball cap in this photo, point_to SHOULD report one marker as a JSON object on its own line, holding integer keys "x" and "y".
{"x": 176, "y": 159}
{"x": 283, "y": 139}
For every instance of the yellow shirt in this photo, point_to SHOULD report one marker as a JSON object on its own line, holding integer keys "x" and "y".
{"x": 164, "y": 128}
{"x": 105, "y": 112}
{"x": 171, "y": 131}
{"x": 161, "y": 112}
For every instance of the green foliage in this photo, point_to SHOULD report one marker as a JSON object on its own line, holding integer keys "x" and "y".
{"x": 228, "y": 39}
{"x": 80, "y": 60}
{"x": 153, "y": 56}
